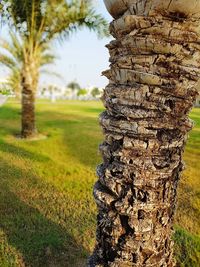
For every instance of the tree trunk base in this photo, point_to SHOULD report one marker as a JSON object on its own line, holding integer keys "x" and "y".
{"x": 33, "y": 137}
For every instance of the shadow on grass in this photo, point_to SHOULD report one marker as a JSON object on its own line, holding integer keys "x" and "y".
{"x": 21, "y": 152}
{"x": 187, "y": 248}
{"x": 81, "y": 134}
{"x": 8, "y": 112}
{"x": 40, "y": 241}
{"x": 9, "y": 120}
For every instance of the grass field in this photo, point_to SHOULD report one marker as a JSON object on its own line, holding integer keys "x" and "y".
{"x": 47, "y": 212}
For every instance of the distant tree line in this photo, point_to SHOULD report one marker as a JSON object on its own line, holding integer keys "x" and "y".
{"x": 72, "y": 91}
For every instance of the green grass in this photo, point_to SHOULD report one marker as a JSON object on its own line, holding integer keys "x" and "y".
{"x": 47, "y": 212}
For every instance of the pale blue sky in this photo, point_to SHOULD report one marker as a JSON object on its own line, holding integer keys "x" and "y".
{"x": 82, "y": 58}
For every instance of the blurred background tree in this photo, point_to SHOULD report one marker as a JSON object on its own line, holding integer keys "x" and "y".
{"x": 74, "y": 86}
{"x": 39, "y": 22}
{"x": 95, "y": 92}
{"x": 12, "y": 57}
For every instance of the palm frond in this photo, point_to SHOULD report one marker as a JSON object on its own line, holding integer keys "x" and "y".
{"x": 47, "y": 59}
{"x": 43, "y": 20}
{"x": 71, "y": 16}
{"x": 7, "y": 61}
{"x": 52, "y": 73}
{"x": 13, "y": 47}
{"x": 16, "y": 56}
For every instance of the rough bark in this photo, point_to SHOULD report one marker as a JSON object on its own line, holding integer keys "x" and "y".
{"x": 155, "y": 67}
{"x": 29, "y": 86}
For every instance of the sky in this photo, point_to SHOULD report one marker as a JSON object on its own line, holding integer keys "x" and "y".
{"x": 82, "y": 58}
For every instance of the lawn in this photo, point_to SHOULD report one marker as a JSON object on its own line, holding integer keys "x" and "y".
{"x": 47, "y": 212}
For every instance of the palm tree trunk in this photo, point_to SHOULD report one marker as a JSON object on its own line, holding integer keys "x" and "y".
{"x": 155, "y": 61}
{"x": 29, "y": 86}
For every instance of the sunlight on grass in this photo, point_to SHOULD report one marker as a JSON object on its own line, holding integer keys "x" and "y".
{"x": 47, "y": 210}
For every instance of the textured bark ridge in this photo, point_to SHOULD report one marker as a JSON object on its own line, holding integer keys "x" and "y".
{"x": 155, "y": 67}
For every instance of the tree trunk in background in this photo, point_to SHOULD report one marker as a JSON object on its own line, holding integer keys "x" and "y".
{"x": 29, "y": 86}
{"x": 155, "y": 67}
